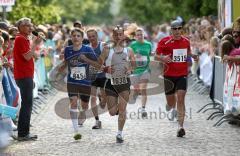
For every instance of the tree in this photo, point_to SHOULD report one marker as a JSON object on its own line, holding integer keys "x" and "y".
{"x": 38, "y": 10}
{"x": 150, "y": 12}
{"x": 88, "y": 11}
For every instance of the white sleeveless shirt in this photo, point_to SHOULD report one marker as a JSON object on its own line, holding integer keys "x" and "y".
{"x": 118, "y": 61}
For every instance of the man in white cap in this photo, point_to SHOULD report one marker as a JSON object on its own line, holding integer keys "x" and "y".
{"x": 174, "y": 51}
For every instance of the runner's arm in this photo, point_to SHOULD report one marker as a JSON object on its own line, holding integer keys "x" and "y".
{"x": 63, "y": 66}
{"x": 91, "y": 62}
{"x": 132, "y": 60}
{"x": 103, "y": 56}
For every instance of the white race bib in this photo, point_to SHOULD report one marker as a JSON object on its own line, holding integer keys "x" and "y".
{"x": 78, "y": 73}
{"x": 141, "y": 60}
{"x": 179, "y": 55}
{"x": 119, "y": 80}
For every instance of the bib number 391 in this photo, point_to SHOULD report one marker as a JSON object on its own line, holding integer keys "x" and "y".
{"x": 78, "y": 73}
{"x": 179, "y": 55}
{"x": 119, "y": 80}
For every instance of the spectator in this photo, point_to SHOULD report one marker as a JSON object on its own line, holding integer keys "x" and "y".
{"x": 24, "y": 54}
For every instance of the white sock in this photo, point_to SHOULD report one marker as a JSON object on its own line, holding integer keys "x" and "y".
{"x": 120, "y": 132}
{"x": 74, "y": 117}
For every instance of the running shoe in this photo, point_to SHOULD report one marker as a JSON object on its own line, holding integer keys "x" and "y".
{"x": 168, "y": 108}
{"x": 181, "y": 132}
{"x": 119, "y": 139}
{"x": 98, "y": 125}
{"x": 144, "y": 113}
{"x": 81, "y": 118}
{"x": 172, "y": 115}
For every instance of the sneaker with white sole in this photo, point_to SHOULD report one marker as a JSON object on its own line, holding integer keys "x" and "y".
{"x": 119, "y": 139}
{"x": 98, "y": 125}
{"x": 144, "y": 113}
{"x": 81, "y": 118}
{"x": 172, "y": 115}
{"x": 168, "y": 108}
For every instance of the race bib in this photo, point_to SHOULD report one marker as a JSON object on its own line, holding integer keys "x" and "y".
{"x": 179, "y": 55}
{"x": 78, "y": 73}
{"x": 141, "y": 60}
{"x": 119, "y": 80}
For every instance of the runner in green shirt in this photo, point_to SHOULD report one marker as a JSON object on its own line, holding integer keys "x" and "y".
{"x": 141, "y": 74}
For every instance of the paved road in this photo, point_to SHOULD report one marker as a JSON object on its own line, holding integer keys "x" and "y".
{"x": 152, "y": 136}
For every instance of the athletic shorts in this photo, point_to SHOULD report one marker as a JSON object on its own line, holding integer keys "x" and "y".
{"x": 81, "y": 91}
{"x": 136, "y": 78}
{"x": 99, "y": 82}
{"x": 171, "y": 84}
{"x": 114, "y": 90}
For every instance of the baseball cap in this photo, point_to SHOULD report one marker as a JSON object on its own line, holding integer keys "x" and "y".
{"x": 77, "y": 23}
{"x": 176, "y": 24}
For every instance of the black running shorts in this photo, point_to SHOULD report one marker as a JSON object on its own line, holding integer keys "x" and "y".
{"x": 82, "y": 91}
{"x": 99, "y": 82}
{"x": 171, "y": 84}
{"x": 114, "y": 90}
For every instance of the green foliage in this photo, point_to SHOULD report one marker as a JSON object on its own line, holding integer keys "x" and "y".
{"x": 36, "y": 10}
{"x": 146, "y": 12}
{"x": 88, "y": 11}
{"x": 155, "y": 11}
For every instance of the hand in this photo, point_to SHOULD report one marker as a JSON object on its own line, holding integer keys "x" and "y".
{"x": 36, "y": 40}
{"x": 7, "y": 64}
{"x": 108, "y": 69}
{"x": 129, "y": 72}
{"x": 62, "y": 67}
{"x": 195, "y": 57}
{"x": 225, "y": 58}
{"x": 167, "y": 59}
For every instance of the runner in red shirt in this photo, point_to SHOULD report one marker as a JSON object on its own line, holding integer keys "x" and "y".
{"x": 174, "y": 51}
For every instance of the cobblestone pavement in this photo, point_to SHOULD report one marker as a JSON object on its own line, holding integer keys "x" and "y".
{"x": 152, "y": 136}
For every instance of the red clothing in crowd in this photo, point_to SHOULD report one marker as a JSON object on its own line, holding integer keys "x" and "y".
{"x": 22, "y": 68}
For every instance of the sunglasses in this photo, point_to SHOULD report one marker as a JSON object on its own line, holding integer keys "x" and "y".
{"x": 118, "y": 27}
{"x": 178, "y": 28}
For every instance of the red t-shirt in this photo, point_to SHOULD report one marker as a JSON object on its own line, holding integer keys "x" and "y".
{"x": 22, "y": 68}
{"x": 178, "y": 51}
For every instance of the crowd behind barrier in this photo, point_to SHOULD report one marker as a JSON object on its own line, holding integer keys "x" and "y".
{"x": 224, "y": 92}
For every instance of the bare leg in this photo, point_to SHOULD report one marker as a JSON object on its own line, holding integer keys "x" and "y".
{"x": 143, "y": 89}
{"x": 181, "y": 106}
{"x": 103, "y": 98}
{"x": 123, "y": 100}
{"x": 93, "y": 101}
{"x": 171, "y": 100}
{"x": 112, "y": 103}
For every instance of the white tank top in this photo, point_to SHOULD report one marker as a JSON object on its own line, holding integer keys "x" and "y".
{"x": 119, "y": 61}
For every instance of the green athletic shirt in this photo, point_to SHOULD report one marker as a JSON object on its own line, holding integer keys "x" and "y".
{"x": 142, "y": 53}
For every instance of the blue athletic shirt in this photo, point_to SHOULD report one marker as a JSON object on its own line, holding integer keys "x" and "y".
{"x": 78, "y": 70}
{"x": 98, "y": 52}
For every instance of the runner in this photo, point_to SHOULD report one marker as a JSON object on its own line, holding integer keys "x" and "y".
{"x": 100, "y": 79}
{"x": 78, "y": 81}
{"x": 174, "y": 51}
{"x": 141, "y": 75}
{"x": 117, "y": 86}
